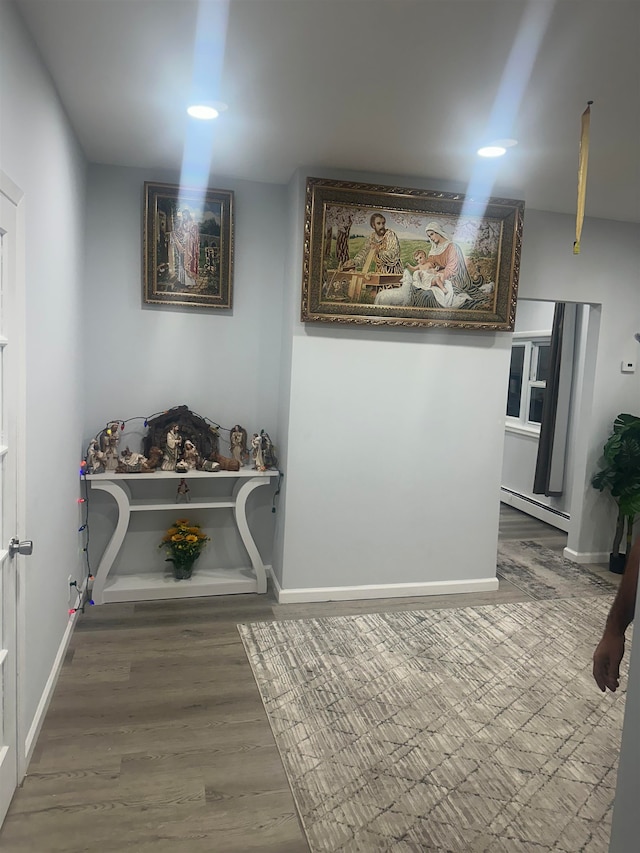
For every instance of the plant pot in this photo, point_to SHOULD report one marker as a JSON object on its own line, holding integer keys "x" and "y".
{"x": 617, "y": 563}
{"x": 183, "y": 570}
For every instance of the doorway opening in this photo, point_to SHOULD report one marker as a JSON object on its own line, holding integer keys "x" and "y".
{"x": 529, "y": 373}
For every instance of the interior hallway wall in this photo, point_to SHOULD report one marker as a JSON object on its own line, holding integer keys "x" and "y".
{"x": 142, "y": 359}
{"x": 146, "y": 358}
{"x": 395, "y": 447}
{"x": 605, "y": 274}
{"x": 411, "y": 423}
{"x": 41, "y": 155}
{"x": 290, "y": 315}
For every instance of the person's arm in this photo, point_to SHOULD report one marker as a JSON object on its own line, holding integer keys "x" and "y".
{"x": 357, "y": 261}
{"x": 610, "y": 650}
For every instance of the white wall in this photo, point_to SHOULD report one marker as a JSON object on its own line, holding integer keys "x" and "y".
{"x": 290, "y": 318}
{"x": 141, "y": 359}
{"x": 534, "y": 316}
{"x": 605, "y": 273}
{"x": 400, "y": 427}
{"x": 409, "y": 433}
{"x": 40, "y": 154}
{"x": 394, "y": 448}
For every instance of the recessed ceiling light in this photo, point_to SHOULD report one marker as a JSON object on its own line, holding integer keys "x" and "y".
{"x": 492, "y": 151}
{"x": 497, "y": 148}
{"x": 206, "y": 112}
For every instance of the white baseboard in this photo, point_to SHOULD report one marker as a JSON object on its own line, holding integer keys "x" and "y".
{"x": 41, "y": 711}
{"x": 391, "y": 590}
{"x": 584, "y": 557}
{"x": 535, "y": 509}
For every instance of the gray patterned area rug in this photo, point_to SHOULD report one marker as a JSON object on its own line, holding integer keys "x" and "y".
{"x": 543, "y": 573}
{"x": 471, "y": 730}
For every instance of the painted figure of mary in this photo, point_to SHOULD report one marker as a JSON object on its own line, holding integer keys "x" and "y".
{"x": 451, "y": 275}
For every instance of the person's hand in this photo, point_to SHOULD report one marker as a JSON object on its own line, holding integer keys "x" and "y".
{"x": 606, "y": 661}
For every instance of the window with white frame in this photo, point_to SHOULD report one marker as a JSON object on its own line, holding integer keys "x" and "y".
{"x": 528, "y": 374}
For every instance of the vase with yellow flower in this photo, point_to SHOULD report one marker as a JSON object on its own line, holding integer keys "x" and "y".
{"x": 184, "y": 542}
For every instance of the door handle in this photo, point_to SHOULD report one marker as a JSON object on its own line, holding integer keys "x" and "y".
{"x": 17, "y": 547}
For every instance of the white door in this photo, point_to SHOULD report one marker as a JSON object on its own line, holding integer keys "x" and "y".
{"x": 10, "y": 352}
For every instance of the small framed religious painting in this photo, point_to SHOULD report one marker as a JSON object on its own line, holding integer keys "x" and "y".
{"x": 188, "y": 246}
{"x": 378, "y": 255}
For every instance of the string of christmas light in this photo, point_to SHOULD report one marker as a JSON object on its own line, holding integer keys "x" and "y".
{"x": 83, "y": 501}
{"x": 146, "y": 418}
{"x": 277, "y": 491}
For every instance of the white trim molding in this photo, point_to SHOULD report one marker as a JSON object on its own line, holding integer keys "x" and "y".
{"x": 515, "y": 427}
{"x": 545, "y": 333}
{"x": 391, "y": 590}
{"x": 585, "y": 557}
{"x": 9, "y": 189}
{"x": 38, "y": 718}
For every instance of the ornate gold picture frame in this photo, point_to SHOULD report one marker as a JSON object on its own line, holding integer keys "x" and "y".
{"x": 379, "y": 255}
{"x": 188, "y": 246}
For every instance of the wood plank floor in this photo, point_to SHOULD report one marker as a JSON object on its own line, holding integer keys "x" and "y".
{"x": 156, "y": 738}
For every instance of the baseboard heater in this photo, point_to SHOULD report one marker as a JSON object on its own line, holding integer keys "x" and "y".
{"x": 552, "y": 516}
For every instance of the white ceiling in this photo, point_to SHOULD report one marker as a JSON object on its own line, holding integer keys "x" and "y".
{"x": 400, "y": 87}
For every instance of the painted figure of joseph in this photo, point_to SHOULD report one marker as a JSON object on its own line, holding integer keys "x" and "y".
{"x": 382, "y": 246}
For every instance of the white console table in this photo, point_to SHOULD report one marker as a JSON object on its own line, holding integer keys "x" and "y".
{"x": 204, "y": 581}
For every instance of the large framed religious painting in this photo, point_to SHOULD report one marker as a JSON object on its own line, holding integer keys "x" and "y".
{"x": 379, "y": 255}
{"x": 188, "y": 246}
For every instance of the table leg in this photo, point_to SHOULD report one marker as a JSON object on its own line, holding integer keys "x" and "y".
{"x": 241, "y": 492}
{"x": 122, "y": 496}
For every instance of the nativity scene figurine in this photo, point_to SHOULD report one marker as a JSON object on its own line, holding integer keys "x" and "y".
{"x": 178, "y": 440}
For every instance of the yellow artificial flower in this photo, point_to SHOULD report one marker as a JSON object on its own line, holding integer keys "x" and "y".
{"x": 184, "y": 539}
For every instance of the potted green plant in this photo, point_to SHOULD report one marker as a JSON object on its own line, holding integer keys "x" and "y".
{"x": 619, "y": 474}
